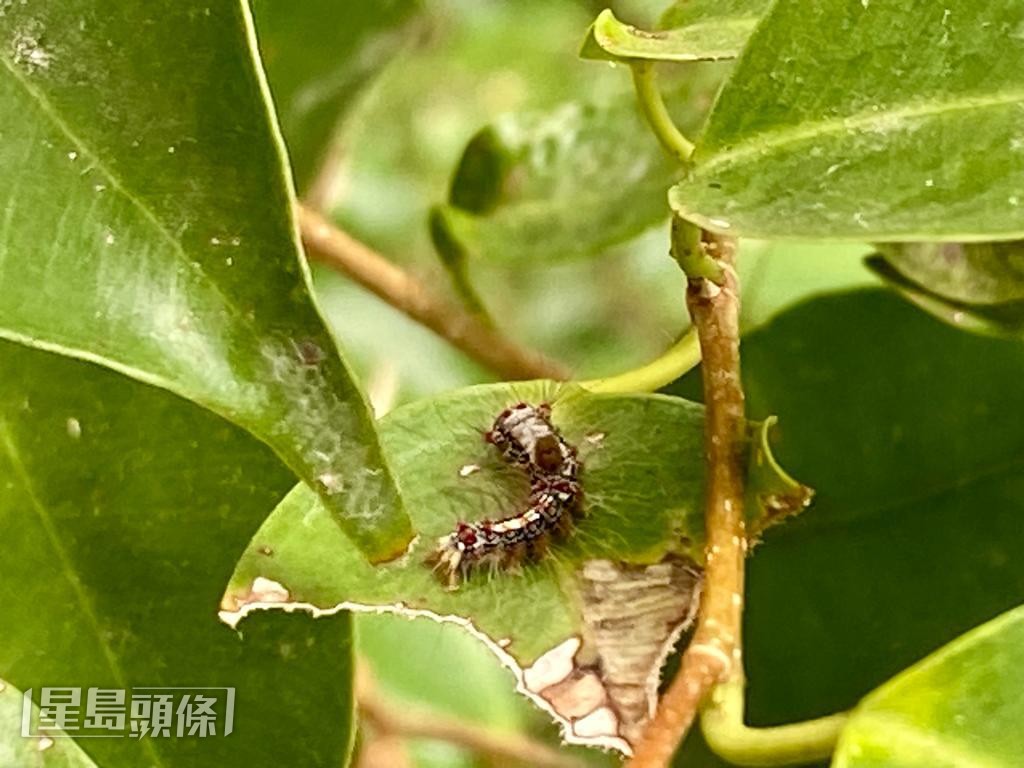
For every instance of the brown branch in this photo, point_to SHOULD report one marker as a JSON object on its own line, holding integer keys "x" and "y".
{"x": 338, "y": 250}
{"x": 403, "y": 722}
{"x": 715, "y": 651}
{"x": 383, "y": 750}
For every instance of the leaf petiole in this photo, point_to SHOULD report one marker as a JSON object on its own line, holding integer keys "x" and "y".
{"x": 681, "y": 357}
{"x": 793, "y": 744}
{"x": 689, "y": 252}
{"x": 653, "y": 106}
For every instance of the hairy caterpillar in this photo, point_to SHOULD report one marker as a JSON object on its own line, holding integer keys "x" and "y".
{"x": 526, "y": 439}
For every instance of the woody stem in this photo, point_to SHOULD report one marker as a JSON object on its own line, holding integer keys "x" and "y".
{"x": 714, "y": 655}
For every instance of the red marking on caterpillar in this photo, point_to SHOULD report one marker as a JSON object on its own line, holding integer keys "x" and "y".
{"x": 528, "y": 440}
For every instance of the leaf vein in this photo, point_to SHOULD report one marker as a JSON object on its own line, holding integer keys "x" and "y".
{"x": 881, "y": 120}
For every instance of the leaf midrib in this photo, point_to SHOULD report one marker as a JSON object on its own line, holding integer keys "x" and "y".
{"x": 887, "y": 121}
{"x": 177, "y": 249}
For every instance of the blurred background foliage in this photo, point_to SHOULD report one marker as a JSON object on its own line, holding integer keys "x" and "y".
{"x": 463, "y": 65}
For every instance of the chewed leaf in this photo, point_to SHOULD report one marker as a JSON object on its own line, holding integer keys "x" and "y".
{"x": 712, "y": 36}
{"x": 772, "y": 495}
{"x": 643, "y": 485}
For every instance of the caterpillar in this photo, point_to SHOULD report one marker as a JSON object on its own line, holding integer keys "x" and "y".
{"x": 526, "y": 439}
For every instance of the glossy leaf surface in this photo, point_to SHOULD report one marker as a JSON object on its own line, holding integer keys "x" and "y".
{"x": 867, "y": 120}
{"x": 147, "y": 227}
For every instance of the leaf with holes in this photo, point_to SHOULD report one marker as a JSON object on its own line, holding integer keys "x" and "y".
{"x": 868, "y": 121}
{"x": 643, "y": 485}
{"x": 146, "y": 226}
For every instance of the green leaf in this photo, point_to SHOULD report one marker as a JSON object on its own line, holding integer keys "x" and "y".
{"x": 15, "y": 750}
{"x": 395, "y": 649}
{"x": 643, "y": 479}
{"x": 972, "y": 273}
{"x": 644, "y": 492}
{"x": 905, "y": 429}
{"x": 959, "y": 707}
{"x": 868, "y": 121}
{"x": 555, "y": 185}
{"x": 147, "y": 227}
{"x": 770, "y": 489}
{"x": 685, "y": 13}
{"x": 695, "y": 31}
{"x": 122, "y": 508}
{"x": 1006, "y": 319}
{"x": 320, "y": 56}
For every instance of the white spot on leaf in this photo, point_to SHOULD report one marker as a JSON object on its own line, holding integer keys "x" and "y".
{"x": 29, "y": 53}
{"x": 268, "y": 591}
{"x": 331, "y": 482}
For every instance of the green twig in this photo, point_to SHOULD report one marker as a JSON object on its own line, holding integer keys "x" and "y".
{"x": 794, "y": 744}
{"x": 689, "y": 251}
{"x": 673, "y": 363}
{"x": 656, "y": 113}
